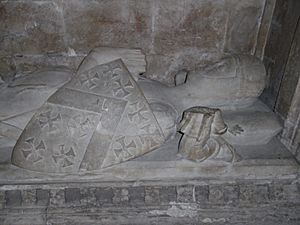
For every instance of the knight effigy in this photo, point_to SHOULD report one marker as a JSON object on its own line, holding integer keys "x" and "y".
{"x": 106, "y": 113}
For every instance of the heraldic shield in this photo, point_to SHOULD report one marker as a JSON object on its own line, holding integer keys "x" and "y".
{"x": 98, "y": 119}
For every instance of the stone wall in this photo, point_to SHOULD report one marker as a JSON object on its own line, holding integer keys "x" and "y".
{"x": 282, "y": 56}
{"x": 174, "y": 34}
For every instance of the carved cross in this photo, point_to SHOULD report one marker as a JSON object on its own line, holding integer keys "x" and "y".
{"x": 64, "y": 156}
{"x": 45, "y": 119}
{"x": 138, "y": 114}
{"x": 89, "y": 79}
{"x": 34, "y": 152}
{"x": 120, "y": 90}
{"x": 124, "y": 147}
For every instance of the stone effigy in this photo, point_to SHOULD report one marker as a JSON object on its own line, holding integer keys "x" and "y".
{"x": 83, "y": 127}
{"x": 233, "y": 84}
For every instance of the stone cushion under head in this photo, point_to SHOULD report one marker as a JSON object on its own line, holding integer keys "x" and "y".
{"x": 98, "y": 119}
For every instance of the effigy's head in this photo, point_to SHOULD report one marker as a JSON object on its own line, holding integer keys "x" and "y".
{"x": 247, "y": 68}
{"x": 224, "y": 68}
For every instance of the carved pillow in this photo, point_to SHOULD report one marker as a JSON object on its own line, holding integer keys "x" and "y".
{"x": 98, "y": 119}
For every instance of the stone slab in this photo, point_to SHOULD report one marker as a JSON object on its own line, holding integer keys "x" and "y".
{"x": 162, "y": 171}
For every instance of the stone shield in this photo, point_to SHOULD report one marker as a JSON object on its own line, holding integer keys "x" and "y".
{"x": 98, "y": 119}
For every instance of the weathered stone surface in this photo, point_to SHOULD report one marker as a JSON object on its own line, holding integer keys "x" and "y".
{"x": 216, "y": 194}
{"x": 57, "y": 197}
{"x": 262, "y": 193}
{"x": 202, "y": 194}
{"x": 291, "y": 135}
{"x": 29, "y": 197}
{"x": 42, "y": 197}
{"x": 28, "y": 64}
{"x": 290, "y": 77}
{"x": 231, "y": 194}
{"x": 278, "y": 46}
{"x": 264, "y": 28}
{"x": 283, "y": 65}
{"x": 292, "y": 192}
{"x": 198, "y": 24}
{"x": 104, "y": 195}
{"x": 254, "y": 194}
{"x": 136, "y": 195}
{"x": 2, "y": 199}
{"x": 185, "y": 33}
{"x": 31, "y": 27}
{"x": 243, "y": 25}
{"x": 72, "y": 196}
{"x": 13, "y": 198}
{"x": 152, "y": 195}
{"x": 167, "y": 194}
{"x": 107, "y": 23}
{"x": 121, "y": 196}
{"x": 185, "y": 193}
{"x": 227, "y": 205}
{"x": 88, "y": 196}
{"x": 276, "y": 192}
{"x": 247, "y": 194}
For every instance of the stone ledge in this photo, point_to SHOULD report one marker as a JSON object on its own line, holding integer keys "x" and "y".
{"x": 202, "y": 195}
{"x": 161, "y": 171}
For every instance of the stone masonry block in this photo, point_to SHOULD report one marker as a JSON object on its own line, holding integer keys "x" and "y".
{"x": 291, "y": 192}
{"x": 137, "y": 195}
{"x": 13, "y": 198}
{"x": 72, "y": 196}
{"x": 42, "y": 197}
{"x": 120, "y": 196}
{"x": 216, "y": 194}
{"x": 185, "y": 193}
{"x": 29, "y": 197}
{"x": 201, "y": 194}
{"x": 104, "y": 195}
{"x": 261, "y": 193}
{"x": 247, "y": 193}
{"x": 231, "y": 194}
{"x": 152, "y": 195}
{"x": 168, "y": 194}
{"x": 2, "y": 199}
{"x": 57, "y": 197}
{"x": 88, "y": 196}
